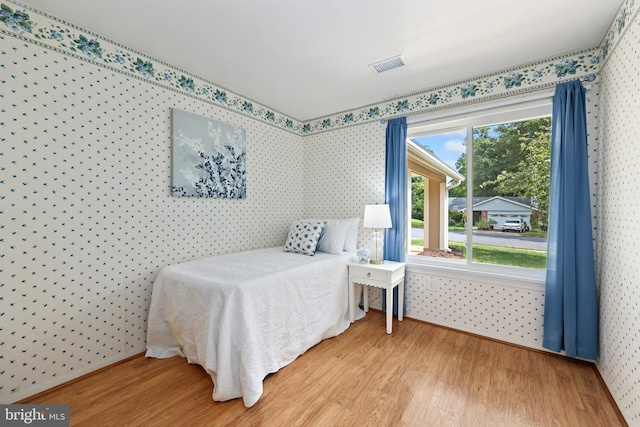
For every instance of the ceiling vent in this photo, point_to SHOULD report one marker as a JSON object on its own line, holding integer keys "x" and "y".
{"x": 388, "y": 64}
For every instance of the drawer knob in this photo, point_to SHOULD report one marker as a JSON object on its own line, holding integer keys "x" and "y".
{"x": 369, "y": 274}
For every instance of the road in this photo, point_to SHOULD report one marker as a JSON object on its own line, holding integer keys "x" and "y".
{"x": 498, "y": 238}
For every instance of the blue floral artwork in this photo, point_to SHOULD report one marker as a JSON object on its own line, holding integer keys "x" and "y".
{"x": 208, "y": 157}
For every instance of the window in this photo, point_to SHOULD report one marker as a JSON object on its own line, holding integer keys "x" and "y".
{"x": 480, "y": 187}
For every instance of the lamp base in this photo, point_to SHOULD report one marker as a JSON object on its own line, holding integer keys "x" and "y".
{"x": 378, "y": 243}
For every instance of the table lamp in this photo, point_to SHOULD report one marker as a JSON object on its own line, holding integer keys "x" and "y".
{"x": 377, "y": 217}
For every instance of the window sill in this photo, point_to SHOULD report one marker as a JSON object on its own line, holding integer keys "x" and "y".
{"x": 522, "y": 278}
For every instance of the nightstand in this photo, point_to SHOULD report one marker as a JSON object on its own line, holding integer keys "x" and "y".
{"x": 385, "y": 276}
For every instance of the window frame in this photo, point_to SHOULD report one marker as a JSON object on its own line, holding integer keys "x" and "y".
{"x": 488, "y": 114}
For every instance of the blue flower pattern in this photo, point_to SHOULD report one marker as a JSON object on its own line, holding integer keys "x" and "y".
{"x": 187, "y": 84}
{"x": 513, "y": 79}
{"x": 17, "y": 21}
{"x": 568, "y": 66}
{"x": 468, "y": 90}
{"x": 91, "y": 48}
{"x": 402, "y": 106}
{"x": 621, "y": 21}
{"x": 144, "y": 67}
{"x": 220, "y": 96}
{"x": 55, "y": 35}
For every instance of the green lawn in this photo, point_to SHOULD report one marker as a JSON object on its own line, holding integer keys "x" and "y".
{"x": 535, "y": 233}
{"x": 489, "y": 254}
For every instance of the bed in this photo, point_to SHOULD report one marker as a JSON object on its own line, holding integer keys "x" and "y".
{"x": 245, "y": 315}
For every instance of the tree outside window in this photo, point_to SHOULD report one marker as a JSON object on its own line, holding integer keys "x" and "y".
{"x": 509, "y": 180}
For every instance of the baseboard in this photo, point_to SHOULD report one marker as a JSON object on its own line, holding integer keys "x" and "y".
{"x": 36, "y": 392}
{"x": 613, "y": 402}
{"x": 619, "y": 413}
{"x": 480, "y": 333}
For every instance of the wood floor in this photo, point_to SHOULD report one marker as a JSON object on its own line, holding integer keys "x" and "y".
{"x": 421, "y": 375}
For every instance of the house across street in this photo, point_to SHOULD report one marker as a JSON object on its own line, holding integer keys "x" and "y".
{"x": 496, "y": 208}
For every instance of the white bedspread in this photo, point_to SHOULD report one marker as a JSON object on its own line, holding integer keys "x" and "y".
{"x": 242, "y": 316}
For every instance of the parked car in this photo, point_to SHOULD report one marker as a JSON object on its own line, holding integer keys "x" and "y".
{"x": 514, "y": 224}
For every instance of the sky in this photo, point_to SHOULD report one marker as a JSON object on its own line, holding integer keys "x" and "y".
{"x": 447, "y": 146}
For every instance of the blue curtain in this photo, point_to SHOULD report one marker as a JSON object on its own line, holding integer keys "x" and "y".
{"x": 395, "y": 195}
{"x": 570, "y": 307}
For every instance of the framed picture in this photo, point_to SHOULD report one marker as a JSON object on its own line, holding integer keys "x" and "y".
{"x": 208, "y": 157}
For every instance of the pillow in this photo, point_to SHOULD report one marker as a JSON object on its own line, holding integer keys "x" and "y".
{"x": 351, "y": 236}
{"x": 303, "y": 237}
{"x": 333, "y": 237}
{"x": 351, "y": 240}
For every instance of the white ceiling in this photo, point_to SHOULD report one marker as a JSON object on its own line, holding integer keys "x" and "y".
{"x": 309, "y": 58}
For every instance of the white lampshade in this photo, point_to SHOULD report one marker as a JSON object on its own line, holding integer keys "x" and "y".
{"x": 377, "y": 216}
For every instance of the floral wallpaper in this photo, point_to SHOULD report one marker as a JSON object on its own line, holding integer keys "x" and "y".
{"x": 32, "y": 25}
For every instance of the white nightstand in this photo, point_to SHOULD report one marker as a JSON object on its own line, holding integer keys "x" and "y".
{"x": 385, "y": 276}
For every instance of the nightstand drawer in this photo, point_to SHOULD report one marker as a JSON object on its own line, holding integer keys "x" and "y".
{"x": 368, "y": 273}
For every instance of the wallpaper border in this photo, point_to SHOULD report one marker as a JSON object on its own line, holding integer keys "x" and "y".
{"x": 57, "y": 34}
{"x": 54, "y": 33}
{"x": 617, "y": 29}
{"x": 537, "y": 75}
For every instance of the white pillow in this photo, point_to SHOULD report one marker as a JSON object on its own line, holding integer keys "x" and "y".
{"x": 333, "y": 237}
{"x": 351, "y": 236}
{"x": 351, "y": 241}
{"x": 303, "y": 237}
